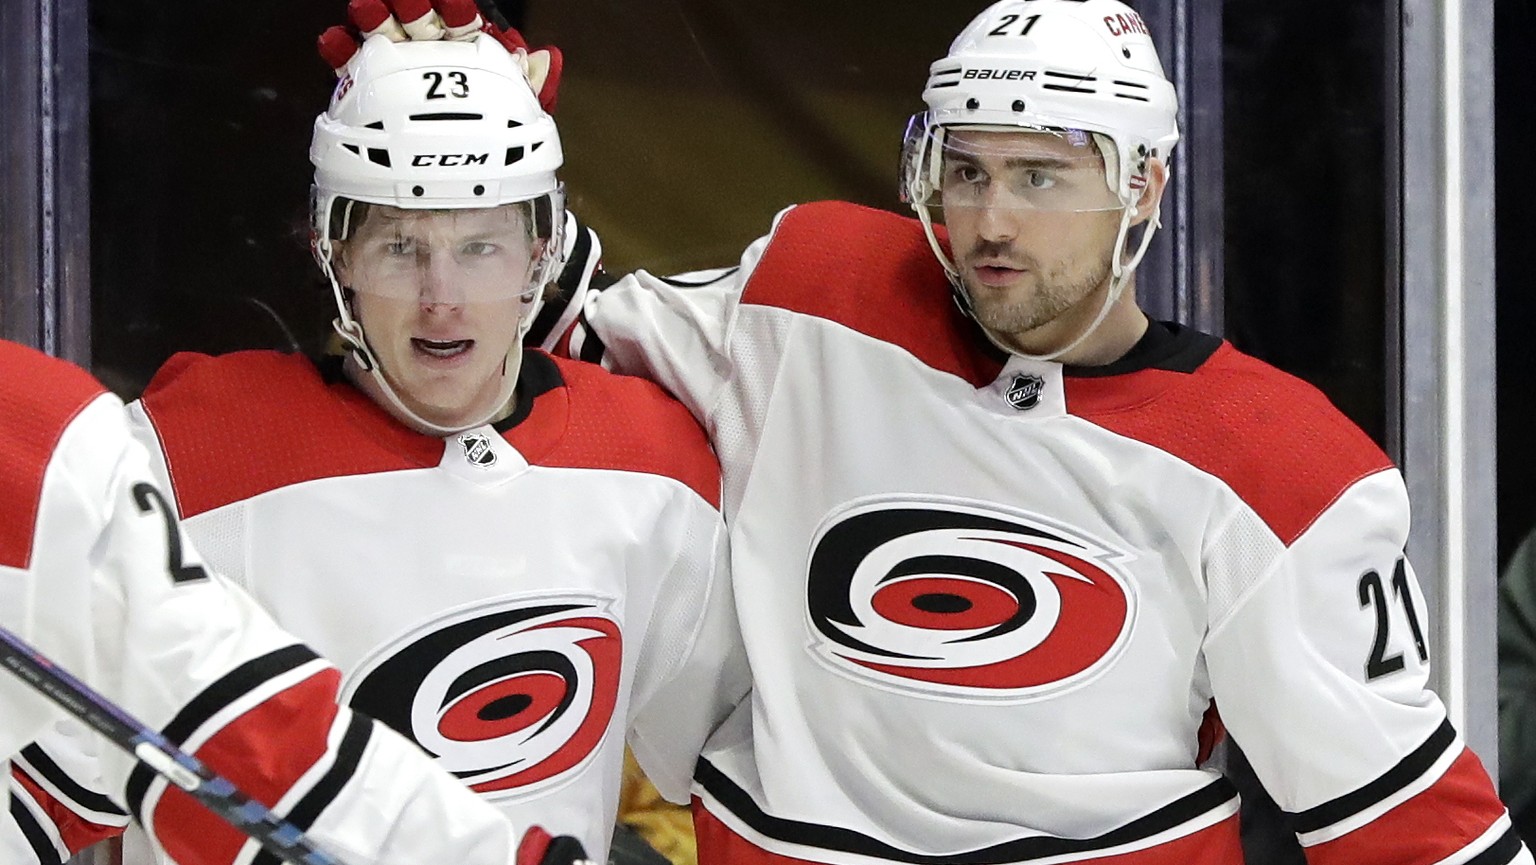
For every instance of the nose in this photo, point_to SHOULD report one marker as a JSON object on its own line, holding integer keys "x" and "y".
{"x": 441, "y": 282}
{"x": 997, "y": 223}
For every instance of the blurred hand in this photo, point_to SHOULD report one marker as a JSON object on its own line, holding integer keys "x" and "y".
{"x": 539, "y": 848}
{"x": 426, "y": 20}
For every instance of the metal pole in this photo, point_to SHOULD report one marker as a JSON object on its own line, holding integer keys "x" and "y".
{"x": 45, "y": 179}
{"x": 1181, "y": 278}
{"x": 1447, "y": 385}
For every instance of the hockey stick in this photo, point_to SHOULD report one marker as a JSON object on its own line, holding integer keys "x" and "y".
{"x": 216, "y": 793}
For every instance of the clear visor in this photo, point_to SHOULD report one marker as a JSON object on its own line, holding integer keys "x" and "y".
{"x": 445, "y": 256}
{"x": 1059, "y": 170}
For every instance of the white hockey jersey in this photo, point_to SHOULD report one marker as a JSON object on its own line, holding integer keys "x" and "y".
{"x": 509, "y": 598}
{"x": 95, "y": 573}
{"x": 993, "y": 606}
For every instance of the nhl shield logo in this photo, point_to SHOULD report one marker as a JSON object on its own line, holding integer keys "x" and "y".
{"x": 477, "y": 449}
{"x": 1024, "y": 393}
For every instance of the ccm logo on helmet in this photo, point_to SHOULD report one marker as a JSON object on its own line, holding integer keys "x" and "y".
{"x": 1000, "y": 74}
{"x": 961, "y": 600}
{"x": 1121, "y": 25}
{"x": 449, "y": 160}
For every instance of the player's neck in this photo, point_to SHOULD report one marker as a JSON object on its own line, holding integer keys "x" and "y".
{"x": 1123, "y": 326}
{"x": 1112, "y": 337}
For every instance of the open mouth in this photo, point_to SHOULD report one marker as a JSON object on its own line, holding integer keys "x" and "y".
{"x": 444, "y": 348}
{"x": 996, "y": 274}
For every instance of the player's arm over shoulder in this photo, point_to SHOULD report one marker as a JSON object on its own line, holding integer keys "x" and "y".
{"x": 630, "y": 423}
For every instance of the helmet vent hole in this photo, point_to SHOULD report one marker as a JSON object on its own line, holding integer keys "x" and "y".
{"x": 1069, "y": 82}
{"x": 537, "y": 145}
{"x": 354, "y": 148}
{"x": 448, "y": 115}
{"x": 1018, "y": 105}
{"x": 479, "y": 189}
{"x": 513, "y": 124}
{"x": 378, "y": 156}
{"x": 1126, "y": 52}
{"x": 418, "y": 191}
{"x": 377, "y": 124}
{"x": 514, "y": 154}
{"x": 972, "y": 104}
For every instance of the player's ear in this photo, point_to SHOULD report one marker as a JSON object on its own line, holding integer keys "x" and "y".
{"x": 340, "y": 261}
{"x": 1152, "y": 193}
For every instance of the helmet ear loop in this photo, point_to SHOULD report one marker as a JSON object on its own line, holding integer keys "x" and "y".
{"x": 924, "y": 176}
{"x": 1153, "y": 222}
{"x": 547, "y": 268}
{"x": 346, "y": 327}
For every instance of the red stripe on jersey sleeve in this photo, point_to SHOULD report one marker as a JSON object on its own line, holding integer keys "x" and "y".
{"x": 1274, "y": 439}
{"x": 238, "y": 425}
{"x": 263, "y": 752}
{"x": 872, "y": 271}
{"x": 1217, "y": 844}
{"x": 77, "y": 832}
{"x": 1458, "y": 809}
{"x": 39, "y": 397}
{"x": 618, "y": 422}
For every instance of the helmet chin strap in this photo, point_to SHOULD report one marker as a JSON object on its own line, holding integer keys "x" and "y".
{"x": 363, "y": 368}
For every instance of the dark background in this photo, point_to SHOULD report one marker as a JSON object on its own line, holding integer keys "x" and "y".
{"x": 1515, "y": 129}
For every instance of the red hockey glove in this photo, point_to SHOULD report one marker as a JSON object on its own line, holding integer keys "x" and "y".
{"x": 539, "y": 848}
{"x": 424, "y": 20}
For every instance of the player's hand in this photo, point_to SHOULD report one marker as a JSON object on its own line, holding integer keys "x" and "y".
{"x": 426, "y": 20}
{"x": 540, "y": 848}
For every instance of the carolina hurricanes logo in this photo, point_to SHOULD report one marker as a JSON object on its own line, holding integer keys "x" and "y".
{"x": 508, "y": 698}
{"x": 954, "y": 599}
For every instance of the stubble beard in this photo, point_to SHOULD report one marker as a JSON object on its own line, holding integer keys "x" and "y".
{"x": 1053, "y": 296}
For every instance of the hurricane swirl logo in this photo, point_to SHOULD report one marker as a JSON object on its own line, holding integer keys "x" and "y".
{"x": 512, "y": 699}
{"x": 952, "y": 599}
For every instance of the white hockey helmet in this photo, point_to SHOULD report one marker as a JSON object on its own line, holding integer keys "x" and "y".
{"x": 440, "y": 125}
{"x": 1083, "y": 69}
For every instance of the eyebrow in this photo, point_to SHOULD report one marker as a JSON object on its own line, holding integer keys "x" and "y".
{"x": 1041, "y": 162}
{"x": 1016, "y": 162}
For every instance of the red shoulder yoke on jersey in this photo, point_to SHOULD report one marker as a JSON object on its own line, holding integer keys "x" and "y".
{"x": 616, "y": 422}
{"x": 39, "y": 397}
{"x": 245, "y": 423}
{"x": 872, "y": 271}
{"x": 1274, "y": 439}
{"x": 235, "y": 426}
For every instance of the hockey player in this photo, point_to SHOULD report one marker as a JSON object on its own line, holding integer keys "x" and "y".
{"x": 512, "y": 558}
{"x": 1012, "y": 552}
{"x": 95, "y": 572}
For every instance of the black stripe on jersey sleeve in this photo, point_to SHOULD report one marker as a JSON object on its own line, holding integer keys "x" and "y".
{"x": 38, "y": 761}
{"x": 569, "y": 281}
{"x": 741, "y": 804}
{"x": 348, "y": 755}
{"x": 680, "y": 283}
{"x": 37, "y": 839}
{"x": 235, "y": 684}
{"x": 1499, "y": 852}
{"x": 1404, "y": 773}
